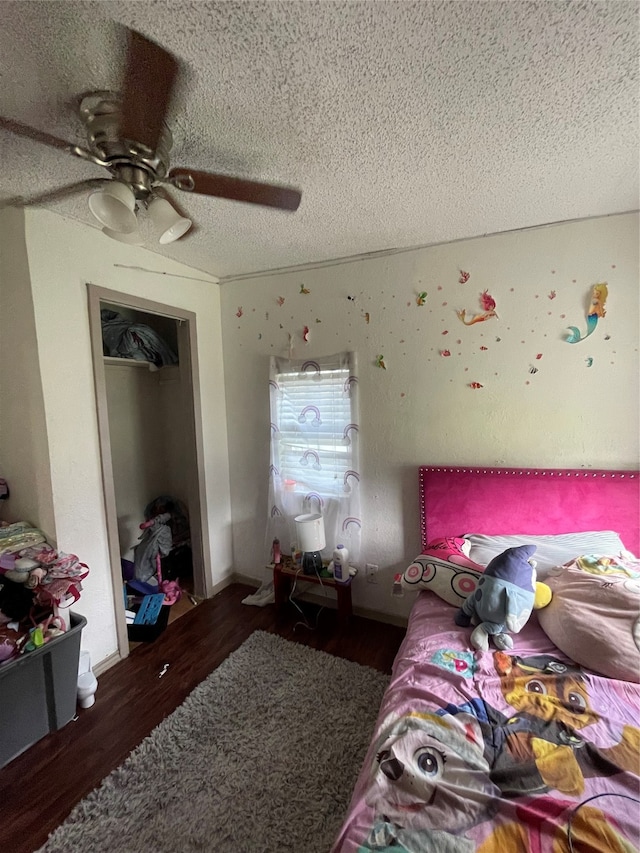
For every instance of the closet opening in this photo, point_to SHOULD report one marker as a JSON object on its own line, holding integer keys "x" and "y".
{"x": 147, "y": 398}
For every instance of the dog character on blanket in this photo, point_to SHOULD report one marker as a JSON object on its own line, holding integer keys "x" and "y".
{"x": 430, "y": 782}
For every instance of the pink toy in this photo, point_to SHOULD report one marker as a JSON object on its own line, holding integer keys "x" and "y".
{"x": 171, "y": 589}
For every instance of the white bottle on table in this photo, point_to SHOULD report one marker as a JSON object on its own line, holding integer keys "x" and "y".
{"x": 341, "y": 564}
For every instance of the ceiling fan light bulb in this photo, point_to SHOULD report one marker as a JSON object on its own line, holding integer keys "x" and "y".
{"x": 114, "y": 207}
{"x": 167, "y": 221}
{"x": 177, "y": 230}
{"x": 132, "y": 238}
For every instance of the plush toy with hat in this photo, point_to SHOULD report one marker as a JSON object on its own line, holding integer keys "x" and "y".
{"x": 506, "y": 594}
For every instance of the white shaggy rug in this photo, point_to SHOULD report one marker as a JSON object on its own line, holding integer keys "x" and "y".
{"x": 262, "y": 756}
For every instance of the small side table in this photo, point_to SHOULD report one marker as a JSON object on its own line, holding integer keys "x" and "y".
{"x": 283, "y": 575}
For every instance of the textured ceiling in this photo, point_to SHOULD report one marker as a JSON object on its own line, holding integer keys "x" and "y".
{"x": 403, "y": 123}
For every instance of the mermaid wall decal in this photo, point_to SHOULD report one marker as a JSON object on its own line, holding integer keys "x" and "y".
{"x": 596, "y": 310}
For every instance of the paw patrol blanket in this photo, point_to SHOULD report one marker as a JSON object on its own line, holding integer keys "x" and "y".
{"x": 496, "y": 752}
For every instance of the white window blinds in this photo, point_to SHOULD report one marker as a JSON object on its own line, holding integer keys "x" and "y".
{"x": 314, "y": 447}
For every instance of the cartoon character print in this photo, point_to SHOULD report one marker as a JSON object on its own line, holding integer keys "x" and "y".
{"x": 456, "y": 661}
{"x": 539, "y": 748}
{"x": 545, "y": 819}
{"x": 429, "y": 783}
{"x": 598, "y": 565}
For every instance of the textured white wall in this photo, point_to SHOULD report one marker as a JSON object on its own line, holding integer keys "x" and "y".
{"x": 63, "y": 257}
{"x": 421, "y": 409}
{"x": 24, "y": 452}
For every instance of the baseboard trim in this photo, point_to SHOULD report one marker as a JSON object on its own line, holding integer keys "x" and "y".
{"x": 381, "y": 616}
{"x": 238, "y": 577}
{"x": 226, "y": 581}
{"x": 106, "y": 663}
{"x": 318, "y": 598}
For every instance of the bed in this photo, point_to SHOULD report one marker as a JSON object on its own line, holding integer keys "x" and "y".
{"x": 516, "y": 749}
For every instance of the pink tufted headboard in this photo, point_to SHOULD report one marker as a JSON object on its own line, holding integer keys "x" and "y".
{"x": 494, "y": 501}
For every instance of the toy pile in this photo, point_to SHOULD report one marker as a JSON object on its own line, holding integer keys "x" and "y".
{"x": 35, "y": 581}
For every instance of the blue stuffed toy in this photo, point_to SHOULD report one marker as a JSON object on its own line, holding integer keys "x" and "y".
{"x": 503, "y": 599}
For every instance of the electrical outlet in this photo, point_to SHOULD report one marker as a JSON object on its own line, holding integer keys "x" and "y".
{"x": 371, "y": 570}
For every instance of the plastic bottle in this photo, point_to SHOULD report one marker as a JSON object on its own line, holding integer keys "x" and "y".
{"x": 341, "y": 564}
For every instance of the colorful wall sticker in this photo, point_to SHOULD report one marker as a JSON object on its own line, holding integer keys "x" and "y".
{"x": 380, "y": 362}
{"x": 305, "y": 334}
{"x": 445, "y": 353}
{"x": 475, "y": 385}
{"x": 239, "y": 312}
{"x": 488, "y": 305}
{"x": 552, "y": 294}
{"x": 589, "y": 361}
{"x": 596, "y": 309}
{"x": 464, "y": 277}
{"x": 421, "y": 298}
{"x": 280, "y": 301}
{"x": 304, "y": 289}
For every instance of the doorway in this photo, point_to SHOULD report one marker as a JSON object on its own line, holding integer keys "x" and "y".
{"x": 150, "y": 441}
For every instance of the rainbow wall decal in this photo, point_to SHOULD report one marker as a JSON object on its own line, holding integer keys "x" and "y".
{"x": 310, "y": 454}
{"x": 314, "y": 496}
{"x": 348, "y": 522}
{"x": 347, "y": 477}
{"x": 274, "y": 428}
{"x": 275, "y": 512}
{"x": 273, "y": 471}
{"x": 302, "y": 417}
{"x": 273, "y": 384}
{"x": 345, "y": 433}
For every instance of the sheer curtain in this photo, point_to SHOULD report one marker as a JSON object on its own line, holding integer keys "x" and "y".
{"x": 314, "y": 449}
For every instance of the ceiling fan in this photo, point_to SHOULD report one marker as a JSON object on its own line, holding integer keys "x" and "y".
{"x": 127, "y": 135}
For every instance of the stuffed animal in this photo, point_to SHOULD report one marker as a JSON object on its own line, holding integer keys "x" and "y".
{"x": 504, "y": 599}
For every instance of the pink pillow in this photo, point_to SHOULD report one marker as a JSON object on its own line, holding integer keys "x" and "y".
{"x": 453, "y": 549}
{"x": 594, "y": 614}
{"x": 445, "y": 569}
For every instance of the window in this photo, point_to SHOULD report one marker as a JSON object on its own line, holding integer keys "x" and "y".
{"x": 314, "y": 447}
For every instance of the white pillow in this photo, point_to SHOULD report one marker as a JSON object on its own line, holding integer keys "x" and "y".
{"x": 551, "y": 551}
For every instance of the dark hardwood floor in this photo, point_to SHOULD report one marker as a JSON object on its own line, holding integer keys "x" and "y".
{"x": 39, "y": 788}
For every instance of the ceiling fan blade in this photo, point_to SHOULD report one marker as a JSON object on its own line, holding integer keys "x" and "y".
{"x": 28, "y": 132}
{"x": 53, "y": 195}
{"x": 237, "y": 189}
{"x": 150, "y": 76}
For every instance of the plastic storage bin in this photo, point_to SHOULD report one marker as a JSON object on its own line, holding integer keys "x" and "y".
{"x": 149, "y": 633}
{"x": 38, "y": 691}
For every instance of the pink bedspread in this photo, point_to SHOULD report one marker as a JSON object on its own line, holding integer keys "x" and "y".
{"x": 494, "y": 752}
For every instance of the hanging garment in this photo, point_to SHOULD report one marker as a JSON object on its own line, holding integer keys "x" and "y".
{"x": 155, "y": 539}
{"x": 178, "y": 521}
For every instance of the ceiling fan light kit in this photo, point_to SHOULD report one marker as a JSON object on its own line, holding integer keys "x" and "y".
{"x": 114, "y": 206}
{"x": 167, "y": 221}
{"x": 133, "y": 238}
{"x": 128, "y": 137}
